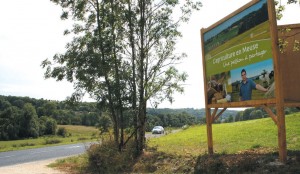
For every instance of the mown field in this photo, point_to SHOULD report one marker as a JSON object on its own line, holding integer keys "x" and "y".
{"x": 75, "y": 134}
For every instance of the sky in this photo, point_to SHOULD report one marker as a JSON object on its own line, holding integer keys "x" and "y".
{"x": 32, "y": 31}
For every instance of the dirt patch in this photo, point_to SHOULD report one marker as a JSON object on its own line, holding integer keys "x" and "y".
{"x": 260, "y": 160}
{"x": 39, "y": 167}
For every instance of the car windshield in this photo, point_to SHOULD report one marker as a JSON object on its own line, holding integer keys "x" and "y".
{"x": 157, "y": 127}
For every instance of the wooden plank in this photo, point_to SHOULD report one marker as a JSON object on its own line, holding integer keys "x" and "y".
{"x": 288, "y": 103}
{"x": 249, "y": 103}
{"x": 204, "y": 67}
{"x": 271, "y": 114}
{"x": 214, "y": 114}
{"x": 219, "y": 114}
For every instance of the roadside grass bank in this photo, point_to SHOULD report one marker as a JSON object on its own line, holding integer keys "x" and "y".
{"x": 230, "y": 137}
{"x": 240, "y": 147}
{"x": 74, "y": 134}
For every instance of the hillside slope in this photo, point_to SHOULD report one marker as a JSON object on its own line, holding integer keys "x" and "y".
{"x": 230, "y": 137}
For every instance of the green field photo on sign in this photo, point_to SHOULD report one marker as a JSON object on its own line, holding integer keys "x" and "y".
{"x": 241, "y": 42}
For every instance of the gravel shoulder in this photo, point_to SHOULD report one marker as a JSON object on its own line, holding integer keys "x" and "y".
{"x": 38, "y": 167}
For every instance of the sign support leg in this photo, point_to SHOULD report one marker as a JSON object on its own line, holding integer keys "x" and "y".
{"x": 281, "y": 134}
{"x": 209, "y": 131}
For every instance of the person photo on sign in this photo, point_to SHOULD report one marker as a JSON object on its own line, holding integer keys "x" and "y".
{"x": 247, "y": 85}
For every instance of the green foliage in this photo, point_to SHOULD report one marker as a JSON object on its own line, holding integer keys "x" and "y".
{"x": 29, "y": 125}
{"x": 257, "y": 113}
{"x": 48, "y": 126}
{"x": 18, "y": 119}
{"x": 9, "y": 123}
{"x": 104, "y": 123}
{"x": 122, "y": 54}
{"x": 62, "y": 132}
{"x": 51, "y": 126}
{"x": 170, "y": 119}
{"x": 105, "y": 158}
{"x": 198, "y": 113}
{"x": 22, "y": 117}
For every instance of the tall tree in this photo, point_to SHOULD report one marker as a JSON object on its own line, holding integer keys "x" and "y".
{"x": 123, "y": 55}
{"x": 156, "y": 32}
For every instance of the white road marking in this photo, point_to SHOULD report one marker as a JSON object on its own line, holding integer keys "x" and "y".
{"x": 7, "y": 156}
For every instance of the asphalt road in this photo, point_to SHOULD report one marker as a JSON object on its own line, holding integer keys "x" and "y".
{"x": 39, "y": 154}
{"x": 31, "y": 155}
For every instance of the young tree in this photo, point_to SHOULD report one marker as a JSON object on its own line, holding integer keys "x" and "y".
{"x": 123, "y": 55}
{"x": 152, "y": 38}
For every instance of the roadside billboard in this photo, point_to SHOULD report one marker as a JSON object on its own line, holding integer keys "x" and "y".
{"x": 238, "y": 57}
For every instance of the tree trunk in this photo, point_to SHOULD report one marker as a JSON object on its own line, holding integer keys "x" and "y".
{"x": 109, "y": 87}
{"x": 117, "y": 76}
{"x": 133, "y": 62}
{"x": 141, "y": 120}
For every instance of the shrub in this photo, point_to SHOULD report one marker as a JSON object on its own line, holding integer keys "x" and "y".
{"x": 52, "y": 141}
{"x": 62, "y": 132}
{"x": 50, "y": 126}
{"x": 82, "y": 138}
{"x": 106, "y": 158}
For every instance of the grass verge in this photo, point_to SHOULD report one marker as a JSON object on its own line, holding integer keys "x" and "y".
{"x": 76, "y": 134}
{"x": 241, "y": 147}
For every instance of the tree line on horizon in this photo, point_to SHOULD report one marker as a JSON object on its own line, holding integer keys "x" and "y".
{"x": 24, "y": 117}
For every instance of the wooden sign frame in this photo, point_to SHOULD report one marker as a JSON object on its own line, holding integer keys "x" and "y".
{"x": 213, "y": 38}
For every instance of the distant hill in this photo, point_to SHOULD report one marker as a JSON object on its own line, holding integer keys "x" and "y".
{"x": 198, "y": 113}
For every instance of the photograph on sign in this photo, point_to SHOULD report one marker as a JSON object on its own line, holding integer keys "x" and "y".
{"x": 238, "y": 57}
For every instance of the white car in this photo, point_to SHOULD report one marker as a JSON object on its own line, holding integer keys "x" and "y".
{"x": 158, "y": 130}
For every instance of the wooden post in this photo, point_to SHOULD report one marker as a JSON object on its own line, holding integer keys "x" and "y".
{"x": 278, "y": 85}
{"x": 209, "y": 131}
{"x": 281, "y": 134}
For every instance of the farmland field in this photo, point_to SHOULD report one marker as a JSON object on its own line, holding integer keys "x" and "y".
{"x": 235, "y": 49}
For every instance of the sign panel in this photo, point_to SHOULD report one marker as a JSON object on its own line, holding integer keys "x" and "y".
{"x": 238, "y": 57}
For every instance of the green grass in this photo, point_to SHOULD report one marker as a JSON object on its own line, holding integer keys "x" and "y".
{"x": 185, "y": 151}
{"x": 76, "y": 134}
{"x": 71, "y": 164}
{"x": 230, "y": 137}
